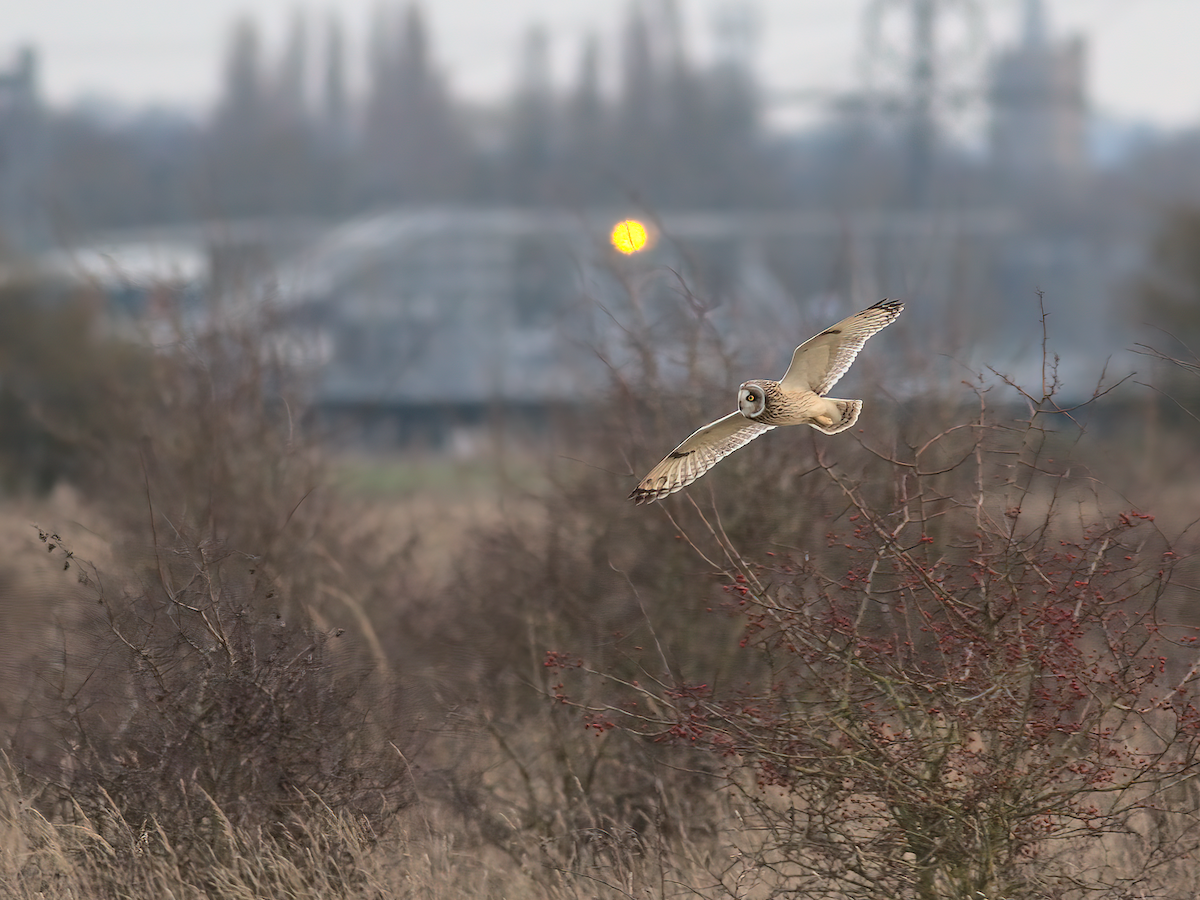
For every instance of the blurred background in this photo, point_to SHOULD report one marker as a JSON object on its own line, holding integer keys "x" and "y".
{"x": 430, "y": 187}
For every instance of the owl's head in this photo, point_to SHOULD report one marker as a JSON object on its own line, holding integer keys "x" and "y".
{"x": 752, "y": 399}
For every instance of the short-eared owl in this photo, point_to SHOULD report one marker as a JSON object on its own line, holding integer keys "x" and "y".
{"x": 796, "y": 399}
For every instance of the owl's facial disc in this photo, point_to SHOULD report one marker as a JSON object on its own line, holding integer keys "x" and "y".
{"x": 751, "y": 401}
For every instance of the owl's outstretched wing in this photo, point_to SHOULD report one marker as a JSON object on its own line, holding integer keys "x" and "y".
{"x": 819, "y": 362}
{"x": 697, "y": 455}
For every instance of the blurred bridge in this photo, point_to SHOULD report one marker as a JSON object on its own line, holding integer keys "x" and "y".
{"x": 418, "y": 318}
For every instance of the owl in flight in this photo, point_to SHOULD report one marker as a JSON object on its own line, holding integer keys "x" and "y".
{"x": 796, "y": 399}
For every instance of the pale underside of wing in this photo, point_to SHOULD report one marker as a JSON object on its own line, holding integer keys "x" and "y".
{"x": 819, "y": 362}
{"x": 697, "y": 455}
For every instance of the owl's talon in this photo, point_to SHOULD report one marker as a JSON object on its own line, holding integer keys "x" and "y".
{"x": 824, "y": 420}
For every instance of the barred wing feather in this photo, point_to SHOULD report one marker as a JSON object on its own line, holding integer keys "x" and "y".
{"x": 697, "y": 455}
{"x": 819, "y": 362}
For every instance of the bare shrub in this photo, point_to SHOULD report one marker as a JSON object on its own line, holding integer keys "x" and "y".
{"x": 964, "y": 689}
{"x": 216, "y": 455}
{"x": 197, "y": 698}
{"x": 190, "y": 699}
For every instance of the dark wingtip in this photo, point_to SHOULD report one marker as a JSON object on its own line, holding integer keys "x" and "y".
{"x": 641, "y": 496}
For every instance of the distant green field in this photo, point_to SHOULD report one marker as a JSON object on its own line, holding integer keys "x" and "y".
{"x": 404, "y": 475}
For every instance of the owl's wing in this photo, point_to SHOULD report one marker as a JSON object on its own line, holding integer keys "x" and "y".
{"x": 819, "y": 362}
{"x": 697, "y": 455}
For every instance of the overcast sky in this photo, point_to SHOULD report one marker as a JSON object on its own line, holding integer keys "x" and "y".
{"x": 1143, "y": 58}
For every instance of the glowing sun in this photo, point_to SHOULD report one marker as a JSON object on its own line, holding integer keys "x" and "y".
{"x": 629, "y": 236}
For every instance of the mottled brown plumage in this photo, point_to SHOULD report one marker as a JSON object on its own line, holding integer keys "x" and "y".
{"x": 796, "y": 399}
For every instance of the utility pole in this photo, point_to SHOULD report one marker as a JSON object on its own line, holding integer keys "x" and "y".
{"x": 913, "y": 69}
{"x": 922, "y": 88}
